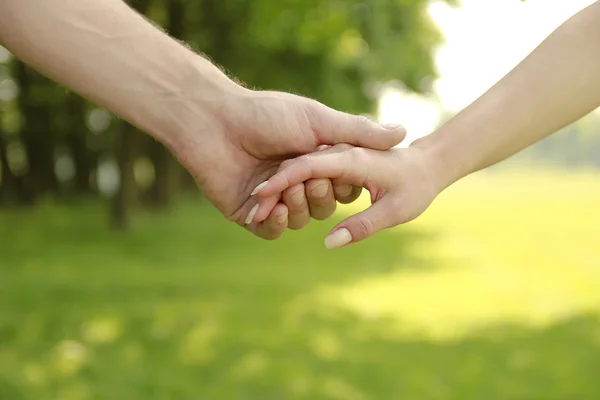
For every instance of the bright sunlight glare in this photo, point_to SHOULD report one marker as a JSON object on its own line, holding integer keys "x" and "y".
{"x": 484, "y": 40}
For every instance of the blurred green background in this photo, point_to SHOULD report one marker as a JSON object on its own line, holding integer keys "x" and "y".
{"x": 118, "y": 281}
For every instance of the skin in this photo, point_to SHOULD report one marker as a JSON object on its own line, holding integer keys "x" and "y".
{"x": 558, "y": 83}
{"x": 230, "y": 138}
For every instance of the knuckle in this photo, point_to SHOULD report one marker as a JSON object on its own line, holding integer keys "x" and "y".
{"x": 285, "y": 164}
{"x": 343, "y": 147}
{"x": 323, "y": 213}
{"x": 357, "y": 154}
{"x": 304, "y": 160}
{"x": 271, "y": 235}
{"x": 362, "y": 121}
{"x": 364, "y": 227}
{"x": 296, "y": 224}
{"x": 352, "y": 196}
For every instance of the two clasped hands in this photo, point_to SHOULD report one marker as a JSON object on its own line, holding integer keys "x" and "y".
{"x": 271, "y": 160}
{"x": 276, "y": 159}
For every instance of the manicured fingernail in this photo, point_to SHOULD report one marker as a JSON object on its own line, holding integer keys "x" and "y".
{"x": 320, "y": 191}
{"x": 252, "y": 214}
{"x": 322, "y": 147}
{"x": 391, "y": 127}
{"x": 338, "y": 238}
{"x": 297, "y": 199}
{"x": 281, "y": 218}
{"x": 257, "y": 189}
{"x": 343, "y": 191}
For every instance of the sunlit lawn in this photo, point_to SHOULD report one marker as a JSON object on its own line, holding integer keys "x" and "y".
{"x": 493, "y": 293}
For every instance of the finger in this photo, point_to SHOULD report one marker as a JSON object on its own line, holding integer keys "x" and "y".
{"x": 349, "y": 165}
{"x": 345, "y": 193}
{"x": 321, "y": 201}
{"x": 265, "y": 207}
{"x": 333, "y": 127}
{"x": 295, "y": 200}
{"x": 362, "y": 225}
{"x": 275, "y": 224}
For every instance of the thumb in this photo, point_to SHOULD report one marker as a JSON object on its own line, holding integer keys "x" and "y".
{"x": 362, "y": 225}
{"x": 334, "y": 127}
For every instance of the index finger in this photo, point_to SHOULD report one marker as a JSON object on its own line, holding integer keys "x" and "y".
{"x": 344, "y": 166}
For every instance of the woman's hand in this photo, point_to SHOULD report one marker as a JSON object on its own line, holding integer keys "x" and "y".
{"x": 402, "y": 183}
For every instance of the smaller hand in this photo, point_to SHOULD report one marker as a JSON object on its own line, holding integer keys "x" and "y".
{"x": 402, "y": 184}
{"x": 315, "y": 198}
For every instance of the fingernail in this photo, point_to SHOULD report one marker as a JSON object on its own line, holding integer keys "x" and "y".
{"x": 298, "y": 198}
{"x": 257, "y": 189}
{"x": 343, "y": 191}
{"x": 338, "y": 239}
{"x": 391, "y": 127}
{"x": 281, "y": 218}
{"x": 320, "y": 191}
{"x": 322, "y": 147}
{"x": 252, "y": 214}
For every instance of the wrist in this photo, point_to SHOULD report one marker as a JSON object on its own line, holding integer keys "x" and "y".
{"x": 197, "y": 111}
{"x": 443, "y": 160}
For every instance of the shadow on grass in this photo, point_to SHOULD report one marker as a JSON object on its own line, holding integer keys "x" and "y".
{"x": 188, "y": 307}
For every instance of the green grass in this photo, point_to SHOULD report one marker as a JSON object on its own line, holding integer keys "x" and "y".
{"x": 494, "y": 293}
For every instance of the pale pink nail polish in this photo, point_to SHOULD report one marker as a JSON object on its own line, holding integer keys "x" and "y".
{"x": 257, "y": 189}
{"x": 338, "y": 238}
{"x": 252, "y": 214}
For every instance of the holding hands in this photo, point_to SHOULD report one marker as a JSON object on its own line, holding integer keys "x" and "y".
{"x": 232, "y": 139}
{"x": 402, "y": 184}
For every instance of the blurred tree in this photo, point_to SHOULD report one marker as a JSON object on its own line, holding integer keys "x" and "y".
{"x": 8, "y": 180}
{"x": 36, "y": 101}
{"x": 76, "y": 134}
{"x": 127, "y": 149}
{"x": 333, "y": 51}
{"x": 338, "y": 52}
{"x": 167, "y": 171}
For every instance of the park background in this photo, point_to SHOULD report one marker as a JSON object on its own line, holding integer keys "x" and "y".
{"x": 119, "y": 281}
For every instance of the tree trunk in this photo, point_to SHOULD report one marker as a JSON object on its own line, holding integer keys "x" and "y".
{"x": 36, "y": 135}
{"x": 125, "y": 198}
{"x": 167, "y": 176}
{"x": 8, "y": 181}
{"x": 82, "y": 156}
{"x": 127, "y": 150}
{"x": 167, "y": 172}
{"x": 187, "y": 182}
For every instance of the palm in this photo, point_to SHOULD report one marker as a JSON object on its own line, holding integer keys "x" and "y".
{"x": 252, "y": 144}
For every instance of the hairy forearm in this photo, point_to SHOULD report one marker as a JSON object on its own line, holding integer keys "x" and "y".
{"x": 556, "y": 85}
{"x": 107, "y": 52}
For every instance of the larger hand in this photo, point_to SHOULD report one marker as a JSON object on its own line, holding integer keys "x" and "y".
{"x": 248, "y": 136}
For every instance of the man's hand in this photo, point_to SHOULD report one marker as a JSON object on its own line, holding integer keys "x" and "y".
{"x": 251, "y": 133}
{"x": 230, "y": 138}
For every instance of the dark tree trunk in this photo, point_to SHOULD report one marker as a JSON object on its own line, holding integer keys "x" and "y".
{"x": 76, "y": 136}
{"x": 126, "y": 150}
{"x": 36, "y": 134}
{"x": 8, "y": 181}
{"x": 167, "y": 175}
{"x": 187, "y": 182}
{"x": 126, "y": 196}
{"x": 167, "y": 172}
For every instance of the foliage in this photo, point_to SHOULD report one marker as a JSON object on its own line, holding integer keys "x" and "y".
{"x": 54, "y": 143}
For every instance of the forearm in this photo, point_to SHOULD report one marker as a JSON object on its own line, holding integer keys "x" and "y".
{"x": 107, "y": 52}
{"x": 556, "y": 85}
